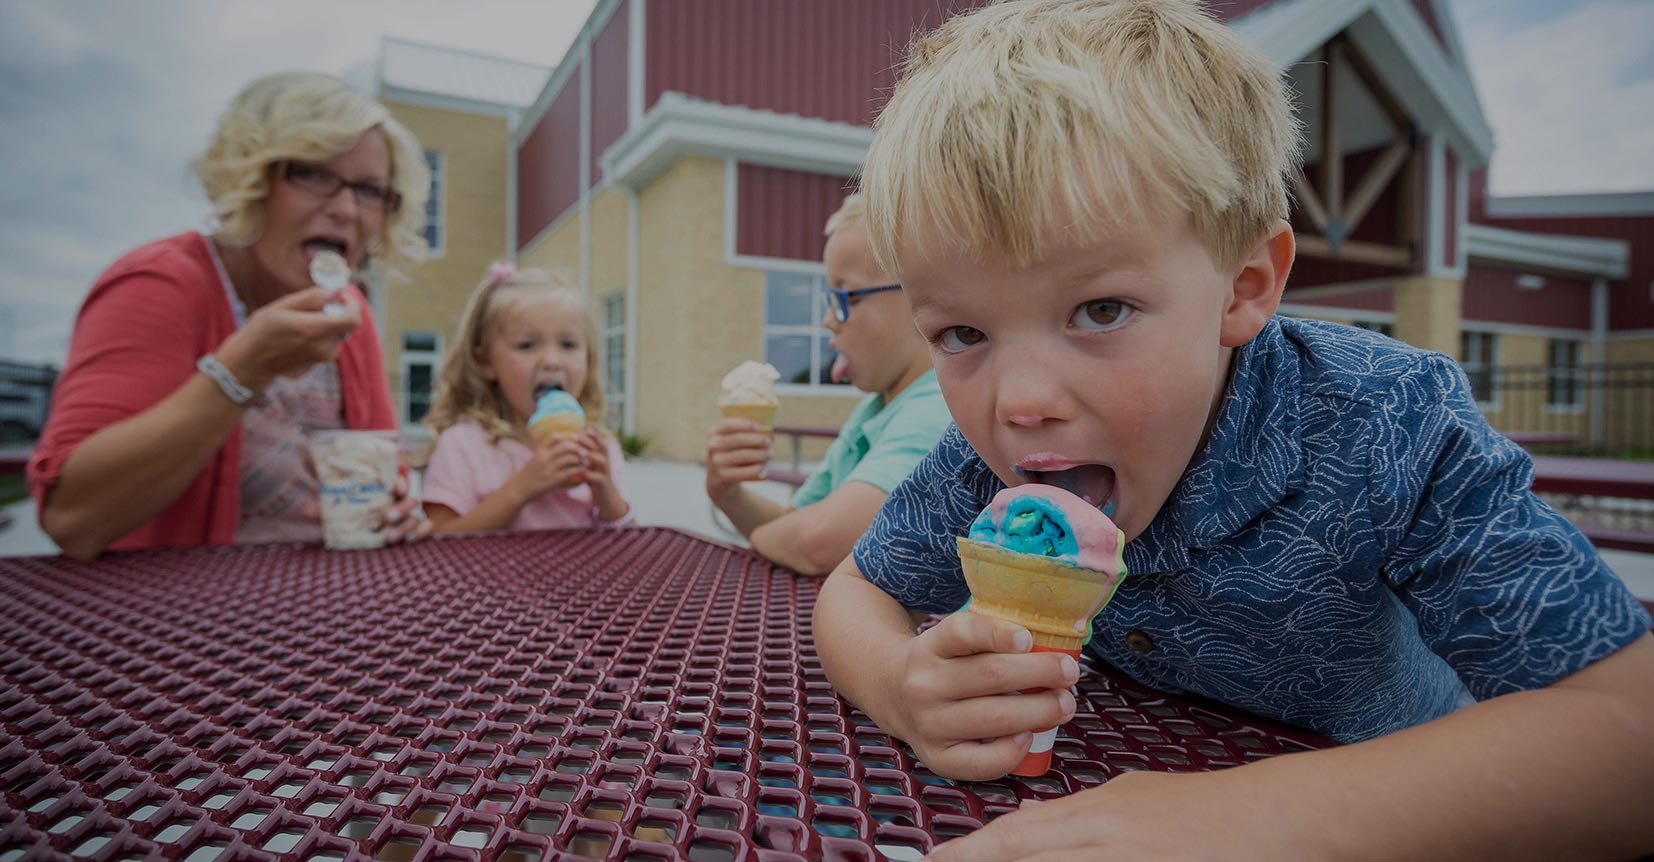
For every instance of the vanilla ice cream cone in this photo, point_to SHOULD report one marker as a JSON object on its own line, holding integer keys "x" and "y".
{"x": 763, "y": 414}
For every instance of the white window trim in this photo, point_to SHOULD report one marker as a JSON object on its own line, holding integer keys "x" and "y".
{"x": 1578, "y": 406}
{"x": 818, "y": 307}
{"x": 1492, "y": 363}
{"x": 618, "y": 330}
{"x": 439, "y": 182}
{"x": 406, "y": 360}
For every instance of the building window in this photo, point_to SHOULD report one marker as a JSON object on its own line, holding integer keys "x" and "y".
{"x": 433, "y": 204}
{"x": 1479, "y": 352}
{"x": 1562, "y": 373}
{"x": 421, "y": 352}
{"x": 795, "y": 342}
{"x": 614, "y": 358}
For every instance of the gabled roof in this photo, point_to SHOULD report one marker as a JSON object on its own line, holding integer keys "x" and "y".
{"x": 410, "y": 71}
{"x": 1429, "y": 80}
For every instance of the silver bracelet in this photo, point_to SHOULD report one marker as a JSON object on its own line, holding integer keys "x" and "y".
{"x": 232, "y": 388}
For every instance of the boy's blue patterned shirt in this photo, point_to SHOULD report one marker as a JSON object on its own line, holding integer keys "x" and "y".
{"x": 1353, "y": 548}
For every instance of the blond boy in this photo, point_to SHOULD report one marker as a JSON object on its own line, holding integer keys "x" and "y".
{"x": 1084, "y": 203}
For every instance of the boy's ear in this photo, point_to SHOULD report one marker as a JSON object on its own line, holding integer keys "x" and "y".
{"x": 1255, "y": 292}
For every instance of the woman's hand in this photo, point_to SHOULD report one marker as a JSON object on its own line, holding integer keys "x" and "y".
{"x": 405, "y": 521}
{"x": 287, "y": 337}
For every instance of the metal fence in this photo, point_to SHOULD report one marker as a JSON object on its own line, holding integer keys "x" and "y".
{"x": 1598, "y": 410}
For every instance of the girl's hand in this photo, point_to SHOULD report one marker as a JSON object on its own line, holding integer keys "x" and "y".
{"x": 558, "y": 463}
{"x": 596, "y": 450}
{"x": 286, "y": 338}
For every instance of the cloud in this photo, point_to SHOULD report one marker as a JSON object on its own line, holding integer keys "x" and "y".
{"x": 1568, "y": 92}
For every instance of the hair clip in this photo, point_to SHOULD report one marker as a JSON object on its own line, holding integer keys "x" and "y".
{"x": 500, "y": 270}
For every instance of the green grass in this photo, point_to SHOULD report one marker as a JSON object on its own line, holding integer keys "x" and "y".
{"x": 12, "y": 489}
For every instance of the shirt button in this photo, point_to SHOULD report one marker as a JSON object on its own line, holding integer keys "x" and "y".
{"x": 1138, "y": 642}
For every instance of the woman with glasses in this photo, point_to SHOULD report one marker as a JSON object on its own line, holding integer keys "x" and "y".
{"x": 199, "y": 362}
{"x": 898, "y": 423}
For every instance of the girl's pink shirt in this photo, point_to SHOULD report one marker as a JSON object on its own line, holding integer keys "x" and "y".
{"x": 468, "y": 464}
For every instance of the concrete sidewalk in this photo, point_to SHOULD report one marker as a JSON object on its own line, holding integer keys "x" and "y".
{"x": 672, "y": 494}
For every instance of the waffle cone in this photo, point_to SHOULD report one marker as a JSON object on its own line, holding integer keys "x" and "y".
{"x": 1053, "y": 600}
{"x": 557, "y": 425}
{"x": 763, "y": 414}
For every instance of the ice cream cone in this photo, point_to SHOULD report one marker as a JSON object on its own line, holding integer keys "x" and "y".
{"x": 1053, "y": 600}
{"x": 557, "y": 425}
{"x": 763, "y": 414}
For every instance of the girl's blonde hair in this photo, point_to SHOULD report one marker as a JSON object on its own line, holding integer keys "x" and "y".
{"x": 311, "y": 117}
{"x": 464, "y": 392}
{"x": 1032, "y": 123}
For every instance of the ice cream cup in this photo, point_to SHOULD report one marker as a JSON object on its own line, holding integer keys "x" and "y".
{"x": 357, "y": 472}
{"x": 763, "y": 414}
{"x": 1055, "y": 601}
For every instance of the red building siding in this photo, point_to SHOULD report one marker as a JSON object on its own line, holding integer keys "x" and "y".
{"x": 1631, "y": 299}
{"x": 548, "y": 164}
{"x": 1427, "y": 11}
{"x": 781, "y": 213}
{"x": 833, "y": 60}
{"x": 610, "y": 98}
{"x": 1492, "y": 296}
{"x": 1229, "y": 10}
{"x": 1381, "y": 224}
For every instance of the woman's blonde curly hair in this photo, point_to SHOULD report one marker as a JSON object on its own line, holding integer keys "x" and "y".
{"x": 312, "y": 117}
{"x": 464, "y": 392}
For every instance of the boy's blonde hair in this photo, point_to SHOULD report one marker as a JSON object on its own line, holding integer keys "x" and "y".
{"x": 310, "y": 117}
{"x": 464, "y": 392}
{"x": 852, "y": 211}
{"x": 1026, "y": 124}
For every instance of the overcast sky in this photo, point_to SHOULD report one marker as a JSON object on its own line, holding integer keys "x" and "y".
{"x": 103, "y": 103}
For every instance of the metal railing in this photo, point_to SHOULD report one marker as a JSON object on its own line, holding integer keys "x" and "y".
{"x": 1600, "y": 410}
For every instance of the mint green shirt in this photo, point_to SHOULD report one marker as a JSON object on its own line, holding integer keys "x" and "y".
{"x": 881, "y": 443}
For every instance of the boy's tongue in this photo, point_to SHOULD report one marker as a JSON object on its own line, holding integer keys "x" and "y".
{"x": 1092, "y": 483}
{"x": 841, "y": 369}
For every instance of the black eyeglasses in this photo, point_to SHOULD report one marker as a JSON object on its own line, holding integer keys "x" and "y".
{"x": 320, "y": 181}
{"x": 839, "y": 298}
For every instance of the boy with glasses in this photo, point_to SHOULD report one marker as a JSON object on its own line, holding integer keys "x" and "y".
{"x": 898, "y": 422}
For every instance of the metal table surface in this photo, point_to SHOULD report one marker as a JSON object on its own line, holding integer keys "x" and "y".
{"x": 638, "y": 694}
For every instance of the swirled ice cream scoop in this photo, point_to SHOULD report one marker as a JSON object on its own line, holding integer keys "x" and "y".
{"x": 1050, "y": 522}
{"x": 749, "y": 383}
{"x": 556, "y": 412}
{"x": 329, "y": 272}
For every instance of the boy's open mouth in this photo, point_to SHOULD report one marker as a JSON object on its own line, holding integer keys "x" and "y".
{"x": 1093, "y": 483}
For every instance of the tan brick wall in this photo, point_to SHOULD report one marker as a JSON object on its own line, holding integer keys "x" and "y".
{"x": 474, "y": 148}
{"x": 697, "y": 316}
{"x": 557, "y": 250}
{"x": 1631, "y": 350}
{"x": 1428, "y": 311}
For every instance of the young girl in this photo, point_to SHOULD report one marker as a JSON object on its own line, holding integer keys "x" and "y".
{"x": 521, "y": 333}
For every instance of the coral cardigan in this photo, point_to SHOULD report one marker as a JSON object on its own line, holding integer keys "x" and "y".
{"x": 146, "y": 321}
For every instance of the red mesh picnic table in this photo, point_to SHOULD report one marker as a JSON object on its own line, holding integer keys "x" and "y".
{"x": 627, "y": 695}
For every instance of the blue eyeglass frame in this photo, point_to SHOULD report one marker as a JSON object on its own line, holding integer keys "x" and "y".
{"x": 839, "y": 298}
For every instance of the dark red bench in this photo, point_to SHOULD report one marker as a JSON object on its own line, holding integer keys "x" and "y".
{"x": 1600, "y": 477}
{"x": 793, "y": 475}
